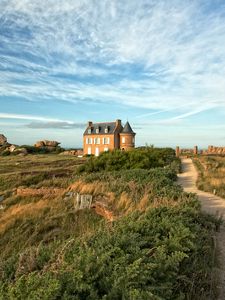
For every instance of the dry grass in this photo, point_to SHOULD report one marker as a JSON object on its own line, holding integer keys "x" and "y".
{"x": 211, "y": 174}
{"x": 20, "y": 211}
{"x": 37, "y": 171}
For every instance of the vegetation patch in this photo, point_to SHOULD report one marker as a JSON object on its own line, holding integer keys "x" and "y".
{"x": 144, "y": 158}
{"x": 211, "y": 174}
{"x": 154, "y": 242}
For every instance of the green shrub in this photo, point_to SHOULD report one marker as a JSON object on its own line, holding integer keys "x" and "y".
{"x": 145, "y": 158}
{"x": 156, "y": 255}
{"x": 162, "y": 252}
{"x": 5, "y": 153}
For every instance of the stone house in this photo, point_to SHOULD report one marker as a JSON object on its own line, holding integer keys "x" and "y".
{"x": 100, "y": 137}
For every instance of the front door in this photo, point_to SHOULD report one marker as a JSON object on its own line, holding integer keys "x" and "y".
{"x": 96, "y": 151}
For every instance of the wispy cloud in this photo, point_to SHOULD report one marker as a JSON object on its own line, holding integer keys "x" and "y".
{"x": 55, "y": 125}
{"x": 161, "y": 55}
{"x": 31, "y": 117}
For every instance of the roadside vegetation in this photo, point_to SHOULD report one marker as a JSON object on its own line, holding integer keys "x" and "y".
{"x": 211, "y": 174}
{"x": 158, "y": 245}
{"x": 26, "y": 149}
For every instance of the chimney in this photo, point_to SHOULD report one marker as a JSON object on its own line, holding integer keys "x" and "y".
{"x": 118, "y": 122}
{"x": 89, "y": 123}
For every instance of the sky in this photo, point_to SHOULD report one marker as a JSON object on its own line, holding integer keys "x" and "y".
{"x": 158, "y": 63}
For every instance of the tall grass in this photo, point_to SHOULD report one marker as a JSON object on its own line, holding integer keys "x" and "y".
{"x": 147, "y": 239}
{"x": 211, "y": 170}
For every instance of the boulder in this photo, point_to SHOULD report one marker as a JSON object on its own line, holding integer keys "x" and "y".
{"x": 12, "y": 148}
{"x": 21, "y": 151}
{"x": 3, "y": 140}
{"x": 39, "y": 144}
{"x": 46, "y": 143}
{"x": 69, "y": 152}
{"x": 75, "y": 152}
{"x": 51, "y": 143}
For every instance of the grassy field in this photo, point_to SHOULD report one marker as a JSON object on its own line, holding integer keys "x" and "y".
{"x": 211, "y": 174}
{"x": 139, "y": 241}
{"x": 37, "y": 171}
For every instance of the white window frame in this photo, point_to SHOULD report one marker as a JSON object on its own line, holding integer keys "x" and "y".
{"x": 106, "y": 141}
{"x": 89, "y": 150}
{"x": 97, "y": 130}
{"x": 88, "y": 141}
{"x": 97, "y": 141}
{"x": 106, "y": 149}
{"x": 106, "y": 130}
{"x": 123, "y": 140}
{"x": 89, "y": 130}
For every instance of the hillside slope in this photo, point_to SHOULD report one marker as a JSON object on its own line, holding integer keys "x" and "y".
{"x": 138, "y": 238}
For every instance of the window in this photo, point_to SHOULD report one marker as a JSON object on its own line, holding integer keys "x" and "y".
{"x": 123, "y": 140}
{"x": 97, "y": 130}
{"x": 106, "y": 130}
{"x": 106, "y": 149}
{"x": 89, "y": 130}
{"x": 89, "y": 150}
{"x": 106, "y": 141}
{"x": 133, "y": 140}
{"x": 97, "y": 141}
{"x": 88, "y": 141}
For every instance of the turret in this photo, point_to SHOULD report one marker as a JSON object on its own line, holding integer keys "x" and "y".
{"x": 127, "y": 138}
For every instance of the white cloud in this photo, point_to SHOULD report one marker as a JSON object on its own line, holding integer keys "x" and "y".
{"x": 178, "y": 46}
{"x": 30, "y": 117}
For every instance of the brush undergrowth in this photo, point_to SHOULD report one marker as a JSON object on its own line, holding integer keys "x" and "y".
{"x": 211, "y": 174}
{"x": 160, "y": 245}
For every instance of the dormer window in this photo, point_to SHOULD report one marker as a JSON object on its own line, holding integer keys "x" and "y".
{"x": 97, "y": 130}
{"x": 106, "y": 130}
{"x": 89, "y": 130}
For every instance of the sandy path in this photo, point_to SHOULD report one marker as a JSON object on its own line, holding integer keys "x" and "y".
{"x": 211, "y": 204}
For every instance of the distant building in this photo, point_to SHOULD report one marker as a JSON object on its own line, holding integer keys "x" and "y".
{"x": 100, "y": 137}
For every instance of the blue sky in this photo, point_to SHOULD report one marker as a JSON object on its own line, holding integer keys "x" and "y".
{"x": 158, "y": 63}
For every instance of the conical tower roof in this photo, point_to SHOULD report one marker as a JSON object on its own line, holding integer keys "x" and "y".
{"x": 127, "y": 129}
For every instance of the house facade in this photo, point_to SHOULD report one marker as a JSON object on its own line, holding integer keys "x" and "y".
{"x": 102, "y": 137}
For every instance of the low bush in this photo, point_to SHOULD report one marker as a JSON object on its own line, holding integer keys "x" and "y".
{"x": 211, "y": 174}
{"x": 158, "y": 246}
{"x": 156, "y": 255}
{"x": 144, "y": 158}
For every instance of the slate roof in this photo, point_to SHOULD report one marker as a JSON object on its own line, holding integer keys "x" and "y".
{"x": 127, "y": 128}
{"x": 101, "y": 126}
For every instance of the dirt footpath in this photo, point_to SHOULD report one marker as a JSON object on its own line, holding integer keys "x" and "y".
{"x": 210, "y": 204}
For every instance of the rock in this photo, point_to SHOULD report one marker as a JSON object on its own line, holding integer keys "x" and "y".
{"x": 215, "y": 150}
{"x": 12, "y": 148}
{"x": 21, "y": 151}
{"x": 46, "y": 143}
{"x": 78, "y": 152}
{"x": 39, "y": 144}
{"x": 51, "y": 143}
{"x": 3, "y": 140}
{"x": 69, "y": 152}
